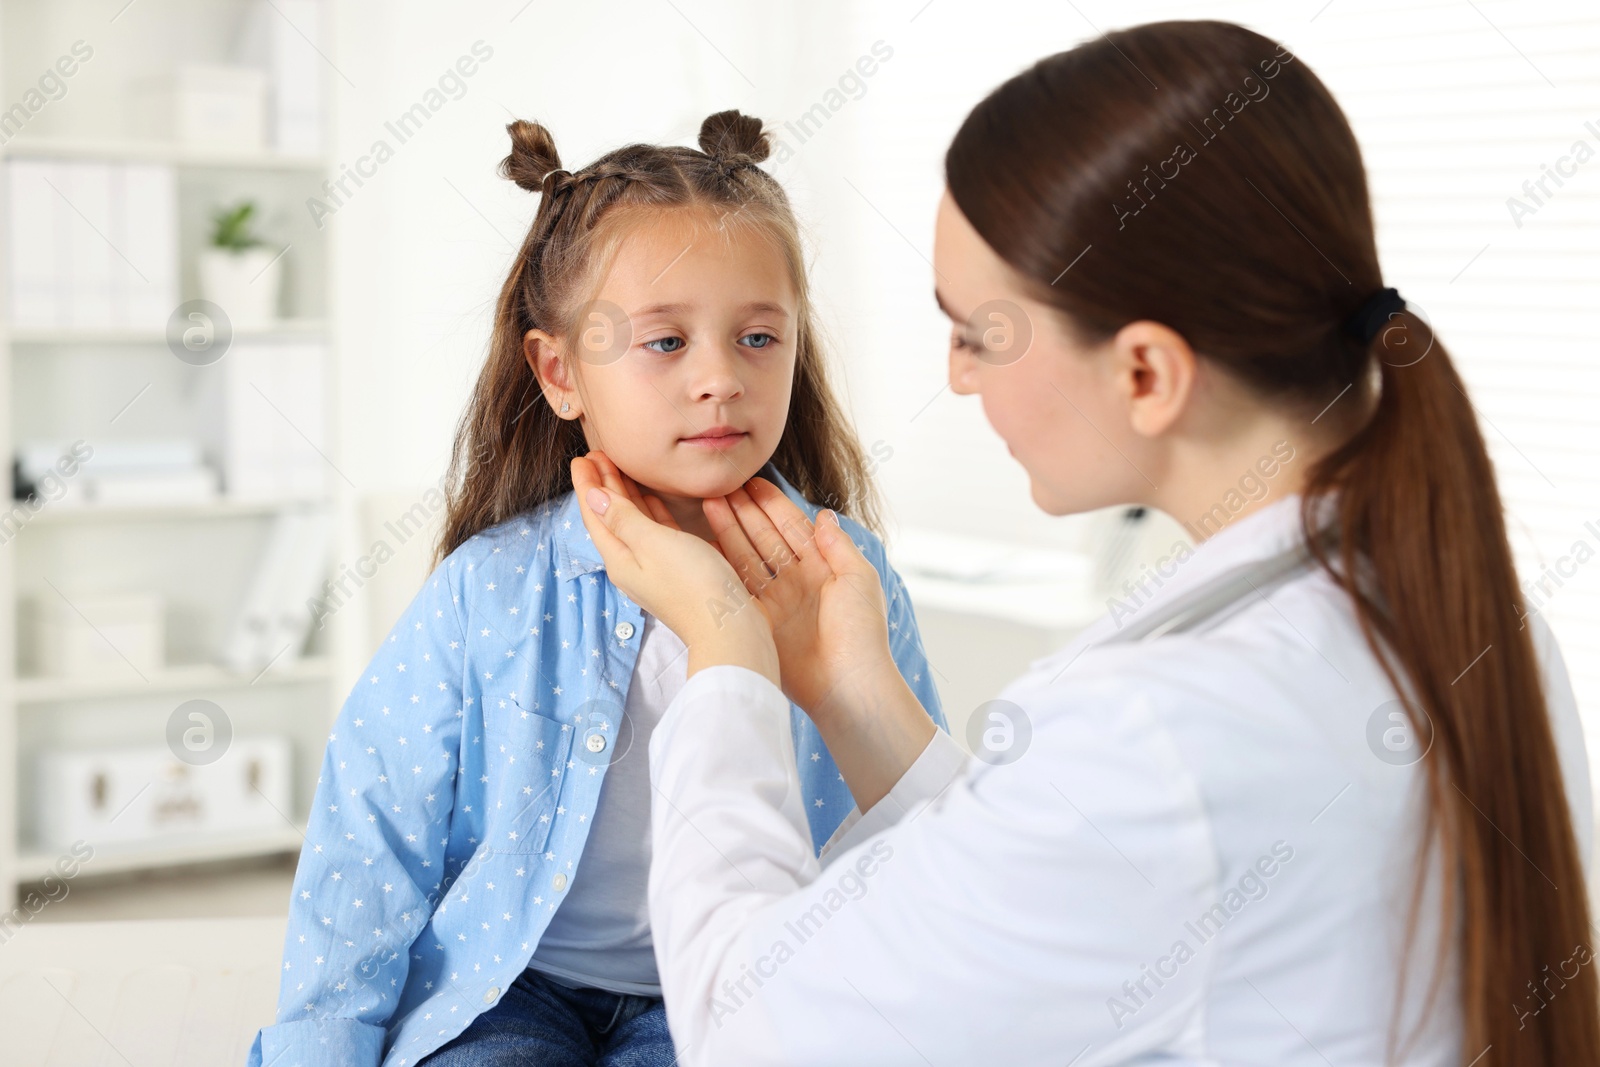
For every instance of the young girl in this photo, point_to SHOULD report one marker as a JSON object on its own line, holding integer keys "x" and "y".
{"x": 472, "y": 887}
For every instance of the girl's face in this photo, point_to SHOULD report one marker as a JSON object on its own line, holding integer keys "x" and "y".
{"x": 685, "y": 360}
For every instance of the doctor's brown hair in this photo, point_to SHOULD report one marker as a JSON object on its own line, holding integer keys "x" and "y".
{"x": 1231, "y": 205}
{"x": 511, "y": 452}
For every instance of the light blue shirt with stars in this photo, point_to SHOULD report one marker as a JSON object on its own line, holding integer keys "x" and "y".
{"x": 459, "y": 784}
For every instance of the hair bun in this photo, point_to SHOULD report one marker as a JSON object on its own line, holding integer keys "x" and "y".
{"x": 533, "y": 155}
{"x": 732, "y": 133}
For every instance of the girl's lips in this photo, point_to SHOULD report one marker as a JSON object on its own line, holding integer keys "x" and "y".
{"x": 716, "y": 440}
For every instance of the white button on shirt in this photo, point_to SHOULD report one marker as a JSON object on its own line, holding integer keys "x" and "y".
{"x": 600, "y": 933}
{"x": 1201, "y": 859}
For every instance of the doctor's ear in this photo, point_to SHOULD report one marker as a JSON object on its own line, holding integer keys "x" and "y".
{"x": 554, "y": 374}
{"x": 1155, "y": 368}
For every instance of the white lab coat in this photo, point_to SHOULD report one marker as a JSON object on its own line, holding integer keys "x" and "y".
{"x": 1199, "y": 859}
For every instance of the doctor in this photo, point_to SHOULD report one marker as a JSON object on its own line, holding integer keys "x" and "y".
{"x": 1211, "y": 830}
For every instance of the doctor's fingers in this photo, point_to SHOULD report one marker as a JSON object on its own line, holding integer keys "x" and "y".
{"x": 761, "y": 560}
{"x": 619, "y": 556}
{"x": 845, "y": 561}
{"x": 658, "y": 511}
{"x": 782, "y": 550}
{"x": 773, "y": 508}
{"x": 612, "y": 478}
{"x": 736, "y": 546}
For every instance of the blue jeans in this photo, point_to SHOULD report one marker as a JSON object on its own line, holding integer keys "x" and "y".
{"x": 542, "y": 1023}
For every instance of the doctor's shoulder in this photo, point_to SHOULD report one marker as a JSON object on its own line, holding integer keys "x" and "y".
{"x": 1103, "y": 681}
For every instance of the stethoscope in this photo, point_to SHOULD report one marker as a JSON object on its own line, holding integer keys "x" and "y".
{"x": 1216, "y": 597}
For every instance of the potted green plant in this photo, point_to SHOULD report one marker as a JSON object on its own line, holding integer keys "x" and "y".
{"x": 238, "y": 271}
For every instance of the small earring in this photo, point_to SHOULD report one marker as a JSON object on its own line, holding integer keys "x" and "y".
{"x": 565, "y": 407}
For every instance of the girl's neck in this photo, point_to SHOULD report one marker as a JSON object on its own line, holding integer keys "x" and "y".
{"x": 686, "y": 511}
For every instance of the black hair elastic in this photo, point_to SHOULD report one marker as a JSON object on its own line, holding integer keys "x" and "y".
{"x": 1374, "y": 315}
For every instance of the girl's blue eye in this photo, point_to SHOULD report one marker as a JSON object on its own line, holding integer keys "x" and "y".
{"x": 673, "y": 344}
{"x": 765, "y": 340}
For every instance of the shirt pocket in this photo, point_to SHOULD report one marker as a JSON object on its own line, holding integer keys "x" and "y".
{"x": 529, "y": 751}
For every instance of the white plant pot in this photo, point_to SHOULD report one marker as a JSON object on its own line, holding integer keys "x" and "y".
{"x": 243, "y": 284}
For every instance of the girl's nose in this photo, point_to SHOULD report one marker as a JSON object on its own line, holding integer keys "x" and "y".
{"x": 717, "y": 374}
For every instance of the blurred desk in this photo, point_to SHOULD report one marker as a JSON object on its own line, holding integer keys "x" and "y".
{"x": 987, "y": 609}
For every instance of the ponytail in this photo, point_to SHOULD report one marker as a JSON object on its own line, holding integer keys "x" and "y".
{"x": 1424, "y": 556}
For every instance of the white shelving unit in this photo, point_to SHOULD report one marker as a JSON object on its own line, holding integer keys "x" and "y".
{"x": 192, "y": 849}
{"x": 200, "y": 556}
{"x": 186, "y": 679}
{"x": 157, "y": 152}
{"x": 286, "y": 328}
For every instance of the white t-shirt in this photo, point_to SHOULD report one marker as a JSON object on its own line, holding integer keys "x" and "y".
{"x": 600, "y": 935}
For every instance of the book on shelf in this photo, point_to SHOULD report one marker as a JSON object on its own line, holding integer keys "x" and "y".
{"x": 273, "y": 621}
{"x": 129, "y": 473}
{"x": 94, "y": 245}
{"x": 281, "y": 37}
{"x": 265, "y": 419}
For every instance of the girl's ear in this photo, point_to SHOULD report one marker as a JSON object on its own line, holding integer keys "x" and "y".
{"x": 543, "y": 353}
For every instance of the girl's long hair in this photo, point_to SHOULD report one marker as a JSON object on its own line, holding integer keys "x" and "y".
{"x": 511, "y": 452}
{"x": 1231, "y": 204}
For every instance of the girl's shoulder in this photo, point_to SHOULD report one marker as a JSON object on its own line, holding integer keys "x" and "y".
{"x": 526, "y": 547}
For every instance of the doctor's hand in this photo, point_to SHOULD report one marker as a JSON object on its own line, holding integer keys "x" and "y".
{"x": 825, "y": 603}
{"x": 824, "y": 600}
{"x": 675, "y": 576}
